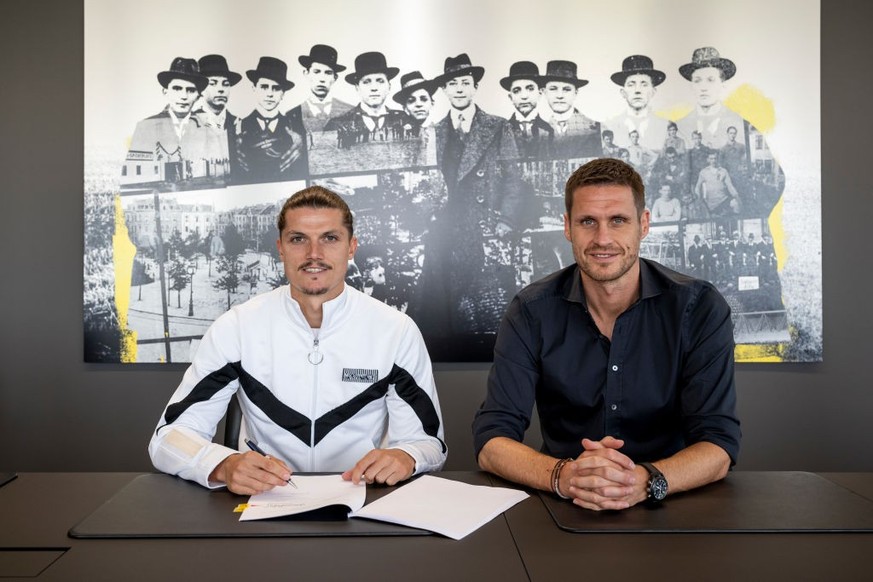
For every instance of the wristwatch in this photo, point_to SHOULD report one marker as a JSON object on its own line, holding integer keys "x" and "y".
{"x": 656, "y": 488}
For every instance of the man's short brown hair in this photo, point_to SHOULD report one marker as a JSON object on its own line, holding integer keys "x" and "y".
{"x": 317, "y": 197}
{"x": 606, "y": 171}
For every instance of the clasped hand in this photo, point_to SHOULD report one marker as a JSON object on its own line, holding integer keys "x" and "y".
{"x": 602, "y": 477}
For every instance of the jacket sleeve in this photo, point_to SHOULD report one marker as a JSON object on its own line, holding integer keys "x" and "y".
{"x": 182, "y": 442}
{"x": 415, "y": 423}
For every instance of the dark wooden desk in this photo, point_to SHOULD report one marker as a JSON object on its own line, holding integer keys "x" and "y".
{"x": 37, "y": 510}
{"x": 550, "y": 553}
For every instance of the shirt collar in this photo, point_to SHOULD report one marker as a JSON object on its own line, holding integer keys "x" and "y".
{"x": 530, "y": 117}
{"x": 651, "y": 284}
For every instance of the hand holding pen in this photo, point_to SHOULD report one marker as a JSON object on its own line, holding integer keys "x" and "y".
{"x": 254, "y": 446}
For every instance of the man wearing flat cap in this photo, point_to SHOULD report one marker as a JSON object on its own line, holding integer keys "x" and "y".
{"x": 270, "y": 144}
{"x": 371, "y": 119}
{"x": 213, "y": 103}
{"x": 321, "y": 70}
{"x": 476, "y": 152}
{"x": 174, "y": 138}
{"x": 576, "y": 136}
{"x": 707, "y": 72}
{"x": 533, "y": 136}
{"x": 638, "y": 80}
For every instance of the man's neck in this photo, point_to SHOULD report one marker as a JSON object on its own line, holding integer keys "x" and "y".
{"x": 638, "y": 113}
{"x": 608, "y": 300}
{"x": 529, "y": 116}
{"x": 374, "y": 111}
{"x": 312, "y": 306}
{"x": 709, "y": 109}
{"x": 215, "y": 109}
{"x": 267, "y": 114}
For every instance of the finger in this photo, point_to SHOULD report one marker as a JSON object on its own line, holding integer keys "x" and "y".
{"x": 279, "y": 469}
{"x": 594, "y": 500}
{"x": 598, "y": 482}
{"x": 611, "y": 455}
{"x": 359, "y": 471}
{"x": 603, "y": 505}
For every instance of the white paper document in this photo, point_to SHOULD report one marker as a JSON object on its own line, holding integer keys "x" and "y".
{"x": 312, "y": 492}
{"x": 447, "y": 507}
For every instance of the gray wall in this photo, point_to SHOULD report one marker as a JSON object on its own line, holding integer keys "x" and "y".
{"x": 59, "y": 414}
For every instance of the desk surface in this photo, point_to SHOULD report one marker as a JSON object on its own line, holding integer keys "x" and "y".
{"x": 39, "y": 508}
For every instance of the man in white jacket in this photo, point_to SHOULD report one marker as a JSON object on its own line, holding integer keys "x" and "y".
{"x": 328, "y": 378}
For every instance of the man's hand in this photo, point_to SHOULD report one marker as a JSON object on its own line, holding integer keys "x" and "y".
{"x": 388, "y": 466}
{"x": 602, "y": 477}
{"x": 250, "y": 473}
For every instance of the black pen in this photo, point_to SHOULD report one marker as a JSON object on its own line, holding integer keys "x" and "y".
{"x": 254, "y": 446}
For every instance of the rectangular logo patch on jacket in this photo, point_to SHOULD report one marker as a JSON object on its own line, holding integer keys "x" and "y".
{"x": 360, "y": 375}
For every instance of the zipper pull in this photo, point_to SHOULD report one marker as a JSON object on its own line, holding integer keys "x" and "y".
{"x": 315, "y": 357}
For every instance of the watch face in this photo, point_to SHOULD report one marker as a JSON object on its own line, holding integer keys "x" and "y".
{"x": 658, "y": 488}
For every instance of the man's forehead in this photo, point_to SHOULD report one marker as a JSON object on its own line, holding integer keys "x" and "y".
{"x": 374, "y": 77}
{"x": 320, "y": 67}
{"x": 181, "y": 83}
{"x": 306, "y": 217}
{"x": 265, "y": 82}
{"x": 597, "y": 196}
{"x": 637, "y": 78}
{"x": 522, "y": 83}
{"x": 461, "y": 79}
{"x": 705, "y": 72}
{"x": 563, "y": 85}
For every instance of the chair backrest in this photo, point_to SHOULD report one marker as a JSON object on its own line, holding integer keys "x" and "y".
{"x": 232, "y": 423}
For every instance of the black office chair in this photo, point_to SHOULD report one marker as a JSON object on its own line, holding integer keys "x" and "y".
{"x": 232, "y": 423}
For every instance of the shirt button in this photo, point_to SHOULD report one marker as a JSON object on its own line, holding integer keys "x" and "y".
{"x": 614, "y": 368}
{"x": 614, "y": 407}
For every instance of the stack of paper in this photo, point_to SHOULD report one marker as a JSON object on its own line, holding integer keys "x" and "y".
{"x": 447, "y": 507}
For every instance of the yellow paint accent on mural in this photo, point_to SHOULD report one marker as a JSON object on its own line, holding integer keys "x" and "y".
{"x": 123, "y": 251}
{"x": 753, "y": 106}
{"x": 769, "y": 353}
{"x": 777, "y": 231}
{"x": 676, "y": 113}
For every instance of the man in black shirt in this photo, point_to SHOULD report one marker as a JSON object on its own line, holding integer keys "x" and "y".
{"x": 630, "y": 364}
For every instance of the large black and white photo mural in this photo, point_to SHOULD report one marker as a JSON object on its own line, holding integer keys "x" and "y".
{"x": 450, "y": 128}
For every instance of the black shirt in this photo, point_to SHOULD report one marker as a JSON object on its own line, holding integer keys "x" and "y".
{"x": 664, "y": 382}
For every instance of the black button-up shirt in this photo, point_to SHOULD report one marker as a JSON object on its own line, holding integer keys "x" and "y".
{"x": 664, "y": 382}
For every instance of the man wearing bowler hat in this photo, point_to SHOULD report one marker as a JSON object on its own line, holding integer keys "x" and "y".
{"x": 476, "y": 152}
{"x": 175, "y": 137}
{"x": 638, "y": 80}
{"x": 576, "y": 136}
{"x": 533, "y": 136}
{"x": 416, "y": 97}
{"x": 371, "y": 119}
{"x": 708, "y": 71}
{"x": 213, "y": 110}
{"x": 321, "y": 69}
{"x": 270, "y": 144}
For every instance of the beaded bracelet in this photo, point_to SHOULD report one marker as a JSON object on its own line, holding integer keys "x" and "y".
{"x": 556, "y": 476}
